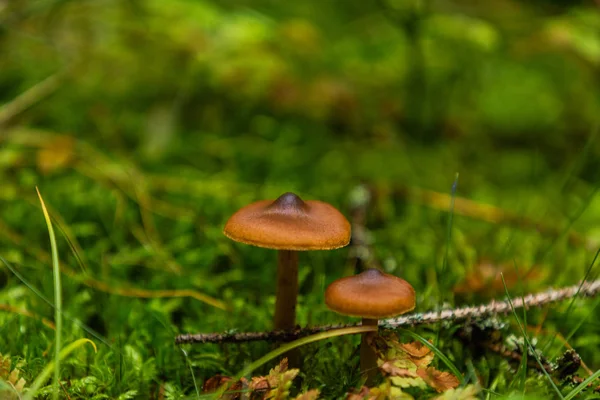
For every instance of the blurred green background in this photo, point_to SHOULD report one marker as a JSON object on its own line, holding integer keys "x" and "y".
{"x": 145, "y": 124}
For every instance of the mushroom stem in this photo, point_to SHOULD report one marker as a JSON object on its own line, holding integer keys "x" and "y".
{"x": 287, "y": 290}
{"x": 368, "y": 358}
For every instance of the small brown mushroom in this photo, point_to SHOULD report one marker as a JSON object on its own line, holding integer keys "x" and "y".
{"x": 371, "y": 295}
{"x": 289, "y": 225}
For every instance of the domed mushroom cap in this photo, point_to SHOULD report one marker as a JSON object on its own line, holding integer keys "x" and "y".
{"x": 370, "y": 294}
{"x": 289, "y": 223}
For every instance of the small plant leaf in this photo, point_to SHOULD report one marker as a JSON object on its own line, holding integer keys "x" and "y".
{"x": 468, "y": 392}
{"x": 382, "y": 392}
{"x": 389, "y": 368}
{"x": 43, "y": 376}
{"x": 407, "y": 382}
{"x": 281, "y": 389}
{"x": 388, "y": 391}
{"x": 4, "y": 366}
{"x": 275, "y": 385}
{"x": 312, "y": 394}
{"x": 440, "y": 381}
{"x": 11, "y": 383}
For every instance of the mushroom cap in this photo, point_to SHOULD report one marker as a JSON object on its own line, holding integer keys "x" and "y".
{"x": 371, "y": 294}
{"x": 289, "y": 223}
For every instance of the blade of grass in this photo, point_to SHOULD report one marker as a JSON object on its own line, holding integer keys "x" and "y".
{"x": 449, "y": 227}
{"x": 26, "y": 313}
{"x": 524, "y": 360}
{"x": 189, "y": 364}
{"x": 77, "y": 322}
{"x": 571, "y": 221}
{"x": 57, "y": 297}
{"x": 566, "y": 314}
{"x": 31, "y": 96}
{"x": 582, "y": 385}
{"x": 526, "y": 338}
{"x": 591, "y": 312}
{"x": 301, "y": 342}
{"x": 583, "y": 156}
{"x": 53, "y": 366}
{"x": 437, "y": 352}
{"x": 290, "y": 346}
{"x": 447, "y": 253}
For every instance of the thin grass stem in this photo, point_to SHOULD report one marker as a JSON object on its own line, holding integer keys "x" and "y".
{"x": 526, "y": 338}
{"x": 57, "y": 298}
{"x": 582, "y": 385}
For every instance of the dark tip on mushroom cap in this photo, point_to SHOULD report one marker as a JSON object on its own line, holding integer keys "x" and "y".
{"x": 370, "y": 294}
{"x": 288, "y": 201}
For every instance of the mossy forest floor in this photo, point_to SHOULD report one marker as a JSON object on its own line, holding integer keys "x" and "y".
{"x": 461, "y": 141}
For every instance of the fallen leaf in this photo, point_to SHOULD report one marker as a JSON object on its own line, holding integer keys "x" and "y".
{"x": 361, "y": 395}
{"x": 234, "y": 392}
{"x": 212, "y": 384}
{"x": 468, "y": 392}
{"x": 416, "y": 349}
{"x": 391, "y": 369}
{"x": 10, "y": 375}
{"x": 484, "y": 279}
{"x": 440, "y": 381}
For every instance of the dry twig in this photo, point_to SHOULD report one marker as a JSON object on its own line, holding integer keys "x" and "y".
{"x": 586, "y": 289}
{"x": 31, "y": 96}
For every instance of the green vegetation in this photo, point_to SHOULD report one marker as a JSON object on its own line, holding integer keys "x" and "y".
{"x": 146, "y": 124}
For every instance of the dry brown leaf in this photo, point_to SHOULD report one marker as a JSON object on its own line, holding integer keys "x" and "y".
{"x": 418, "y": 353}
{"x": 363, "y": 394}
{"x": 12, "y": 377}
{"x": 423, "y": 361}
{"x": 440, "y": 381}
{"x": 56, "y": 154}
{"x": 260, "y": 385}
{"x": 234, "y": 392}
{"x": 391, "y": 369}
{"x": 214, "y": 383}
{"x": 485, "y": 279}
{"x": 416, "y": 349}
{"x": 268, "y": 382}
{"x": 275, "y": 385}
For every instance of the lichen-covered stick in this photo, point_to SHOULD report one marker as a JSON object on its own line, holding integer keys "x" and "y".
{"x": 585, "y": 289}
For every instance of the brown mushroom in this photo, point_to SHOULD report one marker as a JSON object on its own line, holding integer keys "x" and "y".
{"x": 371, "y": 295}
{"x": 289, "y": 225}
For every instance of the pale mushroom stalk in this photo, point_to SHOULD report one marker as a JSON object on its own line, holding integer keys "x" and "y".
{"x": 288, "y": 224}
{"x": 287, "y": 290}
